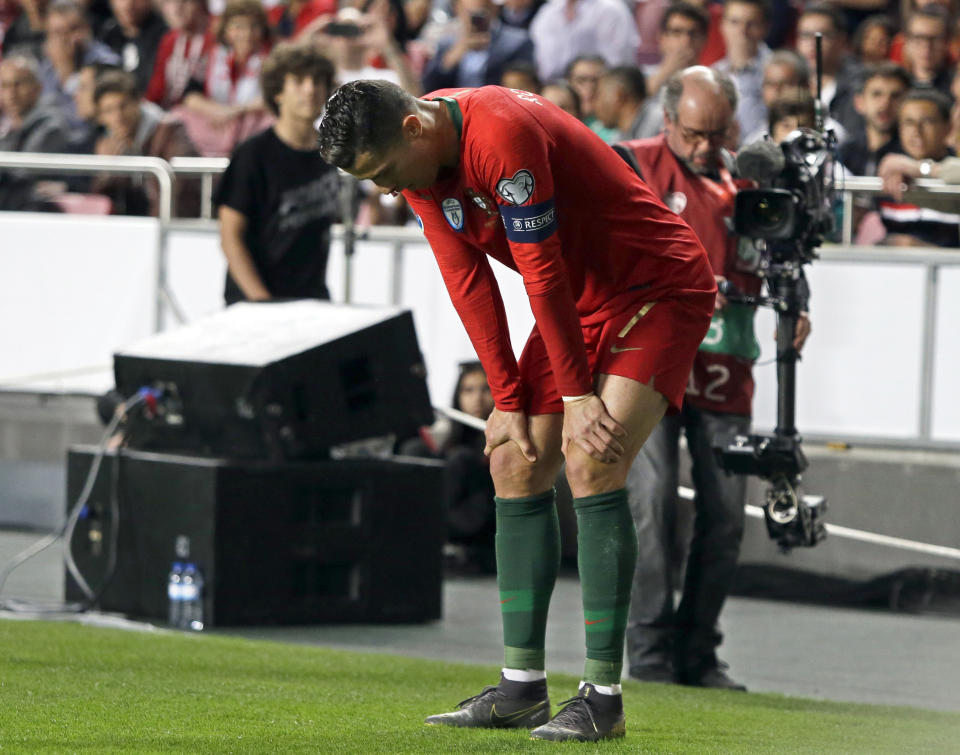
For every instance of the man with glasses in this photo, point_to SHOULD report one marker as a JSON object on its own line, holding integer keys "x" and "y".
{"x": 925, "y": 48}
{"x": 690, "y": 170}
{"x": 683, "y": 33}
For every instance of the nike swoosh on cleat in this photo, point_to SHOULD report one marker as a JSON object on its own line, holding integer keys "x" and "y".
{"x": 597, "y": 621}
{"x": 508, "y": 600}
{"x": 496, "y": 718}
{"x": 618, "y": 349}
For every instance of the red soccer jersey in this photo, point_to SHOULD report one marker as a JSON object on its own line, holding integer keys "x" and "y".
{"x": 540, "y": 192}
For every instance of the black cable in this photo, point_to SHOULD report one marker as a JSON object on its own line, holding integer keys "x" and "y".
{"x": 66, "y": 531}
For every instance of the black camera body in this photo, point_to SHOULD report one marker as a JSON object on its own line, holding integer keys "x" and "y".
{"x": 792, "y": 211}
{"x": 787, "y": 217}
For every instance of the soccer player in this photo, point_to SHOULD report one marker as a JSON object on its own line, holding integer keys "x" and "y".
{"x": 622, "y": 294}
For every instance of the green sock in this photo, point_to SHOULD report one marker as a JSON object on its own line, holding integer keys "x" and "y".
{"x": 607, "y": 557}
{"x": 528, "y": 559}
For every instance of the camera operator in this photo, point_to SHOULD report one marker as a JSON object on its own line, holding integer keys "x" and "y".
{"x": 690, "y": 170}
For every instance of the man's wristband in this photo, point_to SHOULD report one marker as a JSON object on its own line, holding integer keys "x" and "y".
{"x": 572, "y": 399}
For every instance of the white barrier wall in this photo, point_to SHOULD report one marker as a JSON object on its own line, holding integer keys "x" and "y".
{"x": 72, "y": 290}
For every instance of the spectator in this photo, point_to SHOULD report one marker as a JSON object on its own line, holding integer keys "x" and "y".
{"x": 68, "y": 47}
{"x": 873, "y": 39}
{"x": 584, "y": 76}
{"x": 183, "y": 54}
{"x": 564, "y": 30}
{"x": 289, "y": 19}
{"x": 840, "y": 71}
{"x": 682, "y": 35}
{"x": 226, "y": 106}
{"x": 468, "y": 492}
{"x": 620, "y": 97}
{"x": 924, "y": 122}
{"x": 925, "y": 48}
{"x": 86, "y": 137}
{"x": 134, "y": 33}
{"x": 278, "y": 198}
{"x": 796, "y": 109}
{"x": 521, "y": 75}
{"x": 135, "y": 127}
{"x": 29, "y": 124}
{"x": 28, "y": 30}
{"x": 785, "y": 72}
{"x": 360, "y": 45}
{"x": 883, "y": 86}
{"x": 479, "y": 52}
{"x": 744, "y": 26}
{"x": 564, "y": 96}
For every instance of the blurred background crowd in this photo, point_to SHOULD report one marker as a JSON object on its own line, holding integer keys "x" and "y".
{"x": 184, "y": 77}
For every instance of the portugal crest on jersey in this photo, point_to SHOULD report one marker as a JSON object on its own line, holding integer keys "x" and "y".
{"x": 518, "y": 189}
{"x": 453, "y": 212}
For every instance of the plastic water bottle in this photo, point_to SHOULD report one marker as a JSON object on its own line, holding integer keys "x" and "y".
{"x": 175, "y": 595}
{"x": 192, "y": 585}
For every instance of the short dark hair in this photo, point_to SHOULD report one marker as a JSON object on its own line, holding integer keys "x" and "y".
{"x": 886, "y": 69}
{"x": 687, "y": 10}
{"x": 565, "y": 85}
{"x": 929, "y": 94}
{"x": 928, "y": 11}
{"x": 115, "y": 82}
{"x": 796, "y": 61}
{"x": 296, "y": 59}
{"x": 584, "y": 59}
{"x": 362, "y": 116}
{"x": 524, "y": 68}
{"x": 835, "y": 15}
{"x": 763, "y": 5}
{"x": 631, "y": 80}
{"x": 878, "y": 19}
{"x": 797, "y": 103}
{"x": 234, "y": 8}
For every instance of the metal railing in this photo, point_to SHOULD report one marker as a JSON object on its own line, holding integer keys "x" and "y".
{"x": 932, "y": 259}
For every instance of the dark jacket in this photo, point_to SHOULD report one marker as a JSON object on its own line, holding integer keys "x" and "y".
{"x": 43, "y": 130}
{"x": 507, "y": 45}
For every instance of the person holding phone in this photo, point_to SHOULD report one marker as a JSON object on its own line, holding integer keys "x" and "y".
{"x": 480, "y": 50}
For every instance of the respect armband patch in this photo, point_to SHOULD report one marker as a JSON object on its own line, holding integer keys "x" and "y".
{"x": 531, "y": 223}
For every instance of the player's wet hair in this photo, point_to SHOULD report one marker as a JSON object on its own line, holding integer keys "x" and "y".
{"x": 362, "y": 116}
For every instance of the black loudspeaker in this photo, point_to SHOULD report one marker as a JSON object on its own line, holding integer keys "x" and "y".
{"x": 278, "y": 380}
{"x": 277, "y": 543}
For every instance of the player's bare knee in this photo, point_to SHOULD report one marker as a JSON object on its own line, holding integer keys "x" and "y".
{"x": 587, "y": 476}
{"x": 512, "y": 474}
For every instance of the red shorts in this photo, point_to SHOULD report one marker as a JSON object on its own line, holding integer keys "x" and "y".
{"x": 653, "y": 343}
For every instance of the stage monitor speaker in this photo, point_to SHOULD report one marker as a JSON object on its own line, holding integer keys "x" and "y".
{"x": 278, "y": 380}
{"x": 277, "y": 543}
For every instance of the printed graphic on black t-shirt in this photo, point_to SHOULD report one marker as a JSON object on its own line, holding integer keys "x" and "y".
{"x": 290, "y": 199}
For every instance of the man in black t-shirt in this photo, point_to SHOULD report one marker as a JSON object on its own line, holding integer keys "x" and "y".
{"x": 278, "y": 197}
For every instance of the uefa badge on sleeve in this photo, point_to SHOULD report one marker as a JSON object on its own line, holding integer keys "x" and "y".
{"x": 453, "y": 212}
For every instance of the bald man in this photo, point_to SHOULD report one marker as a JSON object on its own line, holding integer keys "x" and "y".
{"x": 689, "y": 169}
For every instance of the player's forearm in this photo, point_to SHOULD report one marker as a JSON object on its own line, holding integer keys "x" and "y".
{"x": 242, "y": 269}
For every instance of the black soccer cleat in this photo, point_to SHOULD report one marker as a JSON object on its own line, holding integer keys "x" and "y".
{"x": 588, "y": 717}
{"x": 509, "y": 705}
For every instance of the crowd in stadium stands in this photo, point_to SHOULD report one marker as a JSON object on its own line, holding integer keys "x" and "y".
{"x": 183, "y": 77}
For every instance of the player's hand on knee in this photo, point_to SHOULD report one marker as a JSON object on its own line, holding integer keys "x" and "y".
{"x": 503, "y": 427}
{"x": 587, "y": 423}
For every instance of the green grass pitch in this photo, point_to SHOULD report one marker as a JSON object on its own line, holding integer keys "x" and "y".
{"x": 71, "y": 688}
